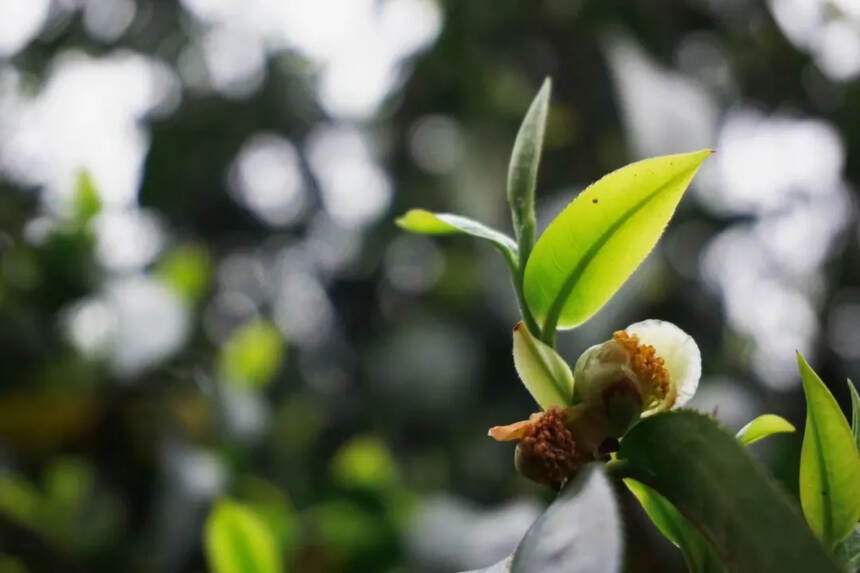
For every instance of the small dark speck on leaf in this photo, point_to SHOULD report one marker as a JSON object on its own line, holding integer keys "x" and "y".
{"x": 594, "y": 201}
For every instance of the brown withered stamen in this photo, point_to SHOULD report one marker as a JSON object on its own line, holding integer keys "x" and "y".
{"x": 547, "y": 446}
{"x": 648, "y": 367}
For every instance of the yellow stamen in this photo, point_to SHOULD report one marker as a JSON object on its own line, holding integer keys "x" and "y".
{"x": 649, "y": 368}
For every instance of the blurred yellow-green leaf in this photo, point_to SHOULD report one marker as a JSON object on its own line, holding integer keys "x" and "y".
{"x": 272, "y": 506}
{"x": 18, "y": 498}
{"x": 346, "y": 528}
{"x": 600, "y": 238}
{"x": 762, "y": 427}
{"x": 68, "y": 481}
{"x": 11, "y": 564}
{"x": 252, "y": 355}
{"x": 237, "y": 540}
{"x": 829, "y": 463}
{"x": 364, "y": 462}
{"x": 186, "y": 271}
{"x": 86, "y": 202}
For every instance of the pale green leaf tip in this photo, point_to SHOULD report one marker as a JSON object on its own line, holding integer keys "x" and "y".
{"x": 412, "y": 220}
{"x": 403, "y": 220}
{"x": 803, "y": 366}
{"x": 546, "y": 87}
{"x": 705, "y": 153}
{"x": 775, "y": 425}
{"x": 784, "y": 425}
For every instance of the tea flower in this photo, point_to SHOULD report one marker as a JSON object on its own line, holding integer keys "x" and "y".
{"x": 662, "y": 360}
{"x": 649, "y": 367}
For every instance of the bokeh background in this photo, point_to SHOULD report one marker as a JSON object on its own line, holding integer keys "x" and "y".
{"x": 202, "y": 292}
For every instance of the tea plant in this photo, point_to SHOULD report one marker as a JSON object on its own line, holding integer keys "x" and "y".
{"x": 616, "y": 414}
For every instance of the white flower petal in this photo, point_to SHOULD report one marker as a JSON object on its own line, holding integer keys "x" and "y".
{"x": 677, "y": 349}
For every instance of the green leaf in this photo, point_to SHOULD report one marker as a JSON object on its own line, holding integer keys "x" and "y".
{"x": 19, "y": 499}
{"x": 86, "y": 203}
{"x": 347, "y": 527}
{"x": 829, "y": 463}
{"x": 599, "y": 239}
{"x": 364, "y": 462}
{"x": 237, "y": 540}
{"x": 712, "y": 481}
{"x": 427, "y": 223}
{"x": 697, "y": 553}
{"x": 855, "y": 413}
{"x": 523, "y": 170}
{"x": 545, "y": 374}
{"x": 186, "y": 271}
{"x": 762, "y": 427}
{"x": 252, "y": 355}
{"x": 270, "y": 504}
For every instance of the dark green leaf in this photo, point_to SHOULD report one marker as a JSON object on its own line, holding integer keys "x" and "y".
{"x": 829, "y": 463}
{"x": 697, "y": 553}
{"x": 709, "y": 477}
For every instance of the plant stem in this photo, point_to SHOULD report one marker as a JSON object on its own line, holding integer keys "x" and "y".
{"x": 517, "y": 280}
{"x": 548, "y": 335}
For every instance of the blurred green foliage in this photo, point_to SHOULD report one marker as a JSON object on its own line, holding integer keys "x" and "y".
{"x": 238, "y": 540}
{"x": 337, "y": 442}
{"x": 187, "y": 270}
{"x": 252, "y": 355}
